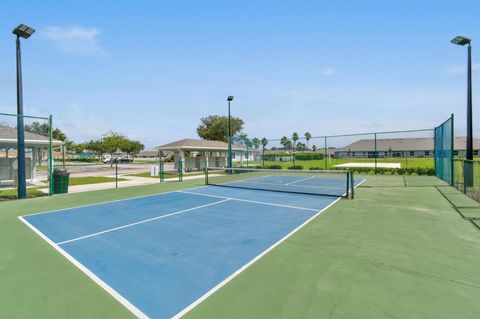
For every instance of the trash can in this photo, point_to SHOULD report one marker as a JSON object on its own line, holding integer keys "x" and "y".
{"x": 60, "y": 181}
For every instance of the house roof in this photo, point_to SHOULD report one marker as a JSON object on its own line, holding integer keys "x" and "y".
{"x": 8, "y": 137}
{"x": 148, "y": 153}
{"x": 403, "y": 144}
{"x": 198, "y": 145}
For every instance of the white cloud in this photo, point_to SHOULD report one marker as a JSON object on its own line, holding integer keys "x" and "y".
{"x": 457, "y": 70}
{"x": 328, "y": 71}
{"x": 74, "y": 39}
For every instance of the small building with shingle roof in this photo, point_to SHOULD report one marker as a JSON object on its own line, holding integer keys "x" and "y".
{"x": 400, "y": 147}
{"x": 35, "y": 144}
{"x": 196, "y": 153}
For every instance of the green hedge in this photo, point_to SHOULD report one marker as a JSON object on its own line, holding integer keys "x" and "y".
{"x": 295, "y": 167}
{"x": 274, "y": 166}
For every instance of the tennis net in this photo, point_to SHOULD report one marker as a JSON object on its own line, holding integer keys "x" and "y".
{"x": 336, "y": 183}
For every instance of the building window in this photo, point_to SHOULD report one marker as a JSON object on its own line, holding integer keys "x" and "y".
{"x": 475, "y": 152}
{"x": 412, "y": 153}
{"x": 427, "y": 153}
{"x": 233, "y": 155}
{"x": 456, "y": 153}
{"x": 385, "y": 153}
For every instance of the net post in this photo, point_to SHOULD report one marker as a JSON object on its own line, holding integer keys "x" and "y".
{"x": 352, "y": 184}
{"x": 348, "y": 184}
{"x": 50, "y": 154}
{"x": 116, "y": 175}
{"x": 452, "y": 168}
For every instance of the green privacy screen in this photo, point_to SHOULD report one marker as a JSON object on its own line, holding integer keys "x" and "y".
{"x": 444, "y": 151}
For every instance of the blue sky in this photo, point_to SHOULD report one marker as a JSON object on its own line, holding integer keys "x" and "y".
{"x": 152, "y": 69}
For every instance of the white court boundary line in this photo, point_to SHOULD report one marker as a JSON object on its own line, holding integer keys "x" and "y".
{"x": 142, "y": 222}
{"x": 108, "y": 202}
{"x": 300, "y": 180}
{"x": 250, "y": 201}
{"x": 137, "y": 312}
{"x": 133, "y": 309}
{"x": 251, "y": 262}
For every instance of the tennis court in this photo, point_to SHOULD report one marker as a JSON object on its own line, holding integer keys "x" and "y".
{"x": 161, "y": 255}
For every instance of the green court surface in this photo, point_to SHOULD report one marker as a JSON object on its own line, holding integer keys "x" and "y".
{"x": 401, "y": 249}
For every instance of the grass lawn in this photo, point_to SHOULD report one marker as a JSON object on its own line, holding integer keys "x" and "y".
{"x": 8, "y": 194}
{"x": 404, "y": 162}
{"x": 91, "y": 180}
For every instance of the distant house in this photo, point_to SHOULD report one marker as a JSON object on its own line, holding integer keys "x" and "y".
{"x": 196, "y": 153}
{"x": 400, "y": 147}
{"x": 148, "y": 155}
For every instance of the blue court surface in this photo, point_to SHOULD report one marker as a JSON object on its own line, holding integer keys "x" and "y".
{"x": 160, "y": 255}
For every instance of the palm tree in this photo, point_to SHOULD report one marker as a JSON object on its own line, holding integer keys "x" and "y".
{"x": 264, "y": 142}
{"x": 308, "y": 136}
{"x": 284, "y": 141}
{"x": 295, "y": 139}
{"x": 256, "y": 142}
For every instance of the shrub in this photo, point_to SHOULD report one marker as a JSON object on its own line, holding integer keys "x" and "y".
{"x": 315, "y": 168}
{"x": 295, "y": 167}
{"x": 274, "y": 166}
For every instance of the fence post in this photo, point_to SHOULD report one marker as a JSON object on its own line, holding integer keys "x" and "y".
{"x": 180, "y": 170}
{"x": 206, "y": 172}
{"x": 50, "y": 154}
{"x": 325, "y": 154}
{"x": 116, "y": 175}
{"x": 263, "y": 156}
{"x": 452, "y": 167}
{"x": 160, "y": 171}
{"x": 352, "y": 184}
{"x": 375, "y": 153}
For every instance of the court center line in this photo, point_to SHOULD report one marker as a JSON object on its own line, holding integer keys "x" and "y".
{"x": 141, "y": 222}
{"x": 250, "y": 201}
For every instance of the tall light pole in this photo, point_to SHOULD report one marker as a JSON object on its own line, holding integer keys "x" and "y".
{"x": 459, "y": 40}
{"x": 229, "y": 99}
{"x": 22, "y": 31}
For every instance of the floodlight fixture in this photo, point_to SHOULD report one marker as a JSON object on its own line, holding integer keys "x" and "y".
{"x": 230, "y": 98}
{"x": 23, "y": 31}
{"x": 459, "y": 40}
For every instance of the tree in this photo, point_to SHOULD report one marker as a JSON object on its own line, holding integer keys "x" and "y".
{"x": 284, "y": 141}
{"x": 215, "y": 127}
{"x": 314, "y": 148}
{"x": 131, "y": 147}
{"x": 96, "y": 146}
{"x": 264, "y": 142}
{"x": 308, "y": 136}
{"x": 256, "y": 142}
{"x": 301, "y": 146}
{"x": 112, "y": 143}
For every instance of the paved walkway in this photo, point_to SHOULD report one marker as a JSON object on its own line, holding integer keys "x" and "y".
{"x": 131, "y": 181}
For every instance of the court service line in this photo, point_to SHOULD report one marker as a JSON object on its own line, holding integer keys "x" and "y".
{"x": 122, "y": 300}
{"x": 250, "y": 201}
{"x": 300, "y": 180}
{"x": 251, "y": 262}
{"x": 142, "y": 222}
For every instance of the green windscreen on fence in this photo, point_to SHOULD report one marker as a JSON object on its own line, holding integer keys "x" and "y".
{"x": 444, "y": 147}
